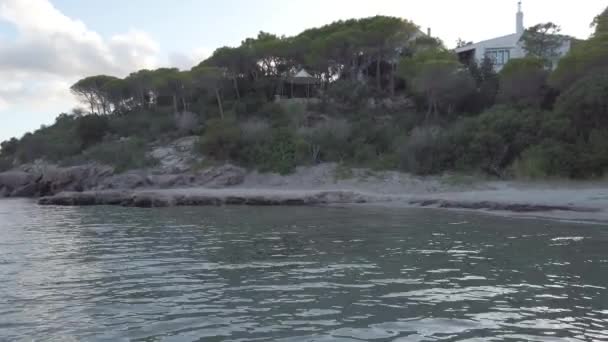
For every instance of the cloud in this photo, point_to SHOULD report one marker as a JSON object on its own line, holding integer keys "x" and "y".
{"x": 51, "y": 51}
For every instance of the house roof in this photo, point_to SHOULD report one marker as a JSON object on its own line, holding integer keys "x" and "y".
{"x": 302, "y": 77}
{"x": 302, "y": 74}
{"x": 509, "y": 40}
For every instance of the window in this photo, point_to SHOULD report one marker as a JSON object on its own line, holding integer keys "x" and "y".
{"x": 499, "y": 56}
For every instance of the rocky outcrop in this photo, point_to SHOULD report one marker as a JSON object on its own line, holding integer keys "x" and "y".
{"x": 17, "y": 183}
{"x": 205, "y": 197}
{"x": 41, "y": 180}
{"x": 45, "y": 180}
{"x": 176, "y": 157}
{"x": 498, "y": 206}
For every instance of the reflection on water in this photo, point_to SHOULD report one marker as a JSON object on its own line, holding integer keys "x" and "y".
{"x": 297, "y": 274}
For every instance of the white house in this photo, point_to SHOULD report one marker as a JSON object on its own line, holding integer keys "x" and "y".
{"x": 505, "y": 48}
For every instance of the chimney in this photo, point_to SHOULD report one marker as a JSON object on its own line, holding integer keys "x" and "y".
{"x": 520, "y": 20}
{"x": 428, "y": 31}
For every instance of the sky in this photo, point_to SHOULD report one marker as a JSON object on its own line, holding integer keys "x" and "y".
{"x": 47, "y": 45}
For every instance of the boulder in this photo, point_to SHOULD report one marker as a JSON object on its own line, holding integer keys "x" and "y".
{"x": 11, "y": 180}
{"x": 221, "y": 176}
{"x": 177, "y": 157}
{"x": 129, "y": 180}
{"x": 75, "y": 178}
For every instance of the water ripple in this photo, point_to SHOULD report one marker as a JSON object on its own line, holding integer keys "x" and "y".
{"x": 296, "y": 274}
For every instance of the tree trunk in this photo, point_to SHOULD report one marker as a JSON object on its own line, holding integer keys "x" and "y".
{"x": 142, "y": 99}
{"x": 236, "y": 89}
{"x": 393, "y": 66}
{"x": 378, "y": 76}
{"x": 174, "y": 103}
{"x": 92, "y": 103}
{"x": 219, "y": 103}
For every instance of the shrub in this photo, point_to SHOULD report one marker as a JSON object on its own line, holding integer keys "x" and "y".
{"x": 495, "y": 139}
{"x": 144, "y": 124}
{"x": 328, "y": 140}
{"x": 585, "y": 104}
{"x": 523, "y": 82}
{"x": 277, "y": 152}
{"x": 50, "y": 143}
{"x": 221, "y": 140}
{"x": 187, "y": 122}
{"x": 125, "y": 154}
{"x": 91, "y": 129}
{"x": 419, "y": 151}
{"x": 350, "y": 94}
{"x": 275, "y": 114}
{"x": 6, "y": 163}
{"x": 254, "y": 131}
{"x": 9, "y": 147}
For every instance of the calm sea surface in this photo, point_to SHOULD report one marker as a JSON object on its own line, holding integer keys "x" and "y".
{"x": 297, "y": 274}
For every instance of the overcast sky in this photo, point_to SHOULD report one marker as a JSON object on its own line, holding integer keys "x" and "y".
{"x": 46, "y": 45}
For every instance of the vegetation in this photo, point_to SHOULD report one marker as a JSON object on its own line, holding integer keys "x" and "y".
{"x": 384, "y": 95}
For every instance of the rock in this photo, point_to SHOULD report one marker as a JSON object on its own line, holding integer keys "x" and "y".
{"x": 177, "y": 157}
{"x": 28, "y": 190}
{"x": 41, "y": 179}
{"x": 75, "y": 178}
{"x": 498, "y": 206}
{"x": 205, "y": 197}
{"x": 171, "y": 181}
{"x": 221, "y": 176}
{"x": 129, "y": 180}
{"x": 12, "y": 180}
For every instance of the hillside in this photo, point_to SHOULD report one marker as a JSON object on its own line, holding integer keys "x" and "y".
{"x": 371, "y": 93}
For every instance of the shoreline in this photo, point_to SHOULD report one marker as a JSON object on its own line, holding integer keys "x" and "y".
{"x": 563, "y": 204}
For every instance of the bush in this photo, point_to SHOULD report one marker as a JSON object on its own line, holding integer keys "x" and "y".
{"x": 187, "y": 122}
{"x": 350, "y": 94}
{"x": 221, "y": 140}
{"x": 495, "y": 139}
{"x": 523, "y": 82}
{"x": 125, "y": 154}
{"x": 143, "y": 124}
{"x": 585, "y": 104}
{"x": 91, "y": 129}
{"x": 549, "y": 158}
{"x": 278, "y": 152}
{"x": 419, "y": 153}
{"x": 9, "y": 147}
{"x": 328, "y": 140}
{"x": 51, "y": 143}
{"x": 6, "y": 163}
{"x": 275, "y": 114}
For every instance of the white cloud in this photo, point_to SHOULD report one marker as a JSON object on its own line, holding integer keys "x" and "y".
{"x": 51, "y": 51}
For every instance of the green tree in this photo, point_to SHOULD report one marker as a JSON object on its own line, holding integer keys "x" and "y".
{"x": 91, "y": 90}
{"x": 437, "y": 75}
{"x": 585, "y": 57}
{"x": 585, "y": 105}
{"x": 140, "y": 84}
{"x": 543, "y": 41}
{"x": 9, "y": 147}
{"x": 175, "y": 84}
{"x": 523, "y": 82}
{"x": 210, "y": 79}
{"x": 91, "y": 129}
{"x": 486, "y": 82}
{"x": 601, "y": 23}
